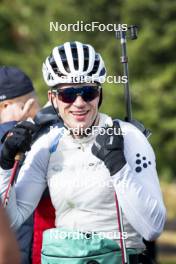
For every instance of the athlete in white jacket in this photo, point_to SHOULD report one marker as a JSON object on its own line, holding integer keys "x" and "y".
{"x": 83, "y": 169}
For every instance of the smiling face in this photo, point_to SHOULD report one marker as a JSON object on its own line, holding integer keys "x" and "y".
{"x": 79, "y": 114}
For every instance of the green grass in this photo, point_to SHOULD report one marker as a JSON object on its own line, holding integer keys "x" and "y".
{"x": 167, "y": 261}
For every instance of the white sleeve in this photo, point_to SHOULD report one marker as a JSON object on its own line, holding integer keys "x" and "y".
{"x": 30, "y": 185}
{"x": 137, "y": 185}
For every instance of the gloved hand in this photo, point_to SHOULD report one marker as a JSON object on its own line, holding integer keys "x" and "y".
{"x": 110, "y": 149}
{"x": 18, "y": 140}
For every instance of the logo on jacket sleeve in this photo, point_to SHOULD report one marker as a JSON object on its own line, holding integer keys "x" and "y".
{"x": 142, "y": 162}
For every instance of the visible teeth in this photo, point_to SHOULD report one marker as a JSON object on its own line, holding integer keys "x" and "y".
{"x": 82, "y": 113}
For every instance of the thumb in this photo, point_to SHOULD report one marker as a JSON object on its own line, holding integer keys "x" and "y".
{"x": 27, "y": 107}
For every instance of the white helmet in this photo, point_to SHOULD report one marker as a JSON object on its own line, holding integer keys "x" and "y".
{"x": 73, "y": 62}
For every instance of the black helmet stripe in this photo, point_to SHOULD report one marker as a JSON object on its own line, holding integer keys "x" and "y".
{"x": 74, "y": 54}
{"x": 80, "y": 56}
{"x": 86, "y": 57}
{"x": 58, "y": 61}
{"x": 64, "y": 58}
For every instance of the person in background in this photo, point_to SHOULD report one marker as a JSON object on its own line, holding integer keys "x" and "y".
{"x": 18, "y": 102}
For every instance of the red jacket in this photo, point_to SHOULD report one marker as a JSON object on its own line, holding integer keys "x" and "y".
{"x": 44, "y": 218}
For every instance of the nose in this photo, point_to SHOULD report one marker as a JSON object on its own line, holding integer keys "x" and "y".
{"x": 79, "y": 102}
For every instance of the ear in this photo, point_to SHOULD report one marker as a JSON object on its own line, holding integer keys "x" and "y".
{"x": 6, "y": 104}
{"x": 52, "y": 98}
{"x": 3, "y": 106}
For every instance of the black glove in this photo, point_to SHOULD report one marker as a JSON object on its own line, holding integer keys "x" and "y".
{"x": 18, "y": 140}
{"x": 110, "y": 148}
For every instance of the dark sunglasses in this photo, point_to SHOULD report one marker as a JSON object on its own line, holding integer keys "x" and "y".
{"x": 69, "y": 95}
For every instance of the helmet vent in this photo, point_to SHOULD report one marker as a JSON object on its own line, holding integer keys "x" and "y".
{"x": 86, "y": 57}
{"x": 95, "y": 67}
{"x": 74, "y": 55}
{"x": 54, "y": 66}
{"x": 64, "y": 59}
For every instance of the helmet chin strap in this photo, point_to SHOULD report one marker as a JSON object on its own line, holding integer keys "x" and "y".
{"x": 55, "y": 108}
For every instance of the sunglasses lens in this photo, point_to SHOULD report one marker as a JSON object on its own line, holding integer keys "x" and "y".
{"x": 67, "y": 95}
{"x": 88, "y": 93}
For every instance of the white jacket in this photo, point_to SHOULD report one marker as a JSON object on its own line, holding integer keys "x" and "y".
{"x": 82, "y": 190}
